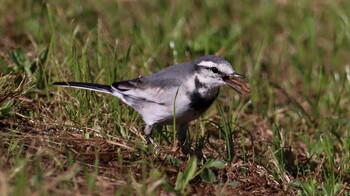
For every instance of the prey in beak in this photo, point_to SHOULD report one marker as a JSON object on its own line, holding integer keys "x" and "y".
{"x": 237, "y": 82}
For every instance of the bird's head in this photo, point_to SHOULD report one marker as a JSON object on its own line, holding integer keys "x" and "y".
{"x": 214, "y": 71}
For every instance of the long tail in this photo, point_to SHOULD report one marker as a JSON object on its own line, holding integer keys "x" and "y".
{"x": 88, "y": 86}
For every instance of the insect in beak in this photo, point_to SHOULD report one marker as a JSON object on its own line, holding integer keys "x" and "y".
{"x": 237, "y": 82}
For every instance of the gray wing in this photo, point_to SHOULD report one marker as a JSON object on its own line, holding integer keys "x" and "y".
{"x": 159, "y": 87}
{"x": 170, "y": 76}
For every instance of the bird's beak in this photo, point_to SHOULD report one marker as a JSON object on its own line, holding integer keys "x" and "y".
{"x": 237, "y": 82}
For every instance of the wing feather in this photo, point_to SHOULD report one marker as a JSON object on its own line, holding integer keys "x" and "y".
{"x": 159, "y": 87}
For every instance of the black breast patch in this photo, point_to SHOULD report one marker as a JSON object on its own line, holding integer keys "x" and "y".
{"x": 200, "y": 104}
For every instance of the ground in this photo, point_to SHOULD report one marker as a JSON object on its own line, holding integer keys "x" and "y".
{"x": 289, "y": 136}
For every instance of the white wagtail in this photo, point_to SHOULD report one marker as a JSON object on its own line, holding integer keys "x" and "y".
{"x": 192, "y": 86}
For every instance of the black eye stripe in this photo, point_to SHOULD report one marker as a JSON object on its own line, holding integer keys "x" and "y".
{"x": 213, "y": 69}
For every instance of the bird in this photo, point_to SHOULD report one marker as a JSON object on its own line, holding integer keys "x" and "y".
{"x": 184, "y": 91}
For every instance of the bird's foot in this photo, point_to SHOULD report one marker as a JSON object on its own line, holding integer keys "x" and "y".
{"x": 187, "y": 149}
{"x": 154, "y": 144}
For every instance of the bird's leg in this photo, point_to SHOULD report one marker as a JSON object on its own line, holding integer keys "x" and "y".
{"x": 181, "y": 133}
{"x": 181, "y": 137}
{"x": 148, "y": 132}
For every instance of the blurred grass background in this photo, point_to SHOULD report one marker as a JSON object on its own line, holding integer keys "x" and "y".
{"x": 289, "y": 136}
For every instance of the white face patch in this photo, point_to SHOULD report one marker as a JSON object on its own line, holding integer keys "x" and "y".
{"x": 207, "y": 64}
{"x": 222, "y": 67}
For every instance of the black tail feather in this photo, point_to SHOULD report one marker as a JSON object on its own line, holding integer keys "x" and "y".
{"x": 88, "y": 86}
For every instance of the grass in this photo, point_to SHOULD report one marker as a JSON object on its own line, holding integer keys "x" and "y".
{"x": 289, "y": 136}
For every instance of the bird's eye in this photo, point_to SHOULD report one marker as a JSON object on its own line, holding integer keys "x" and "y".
{"x": 214, "y": 70}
